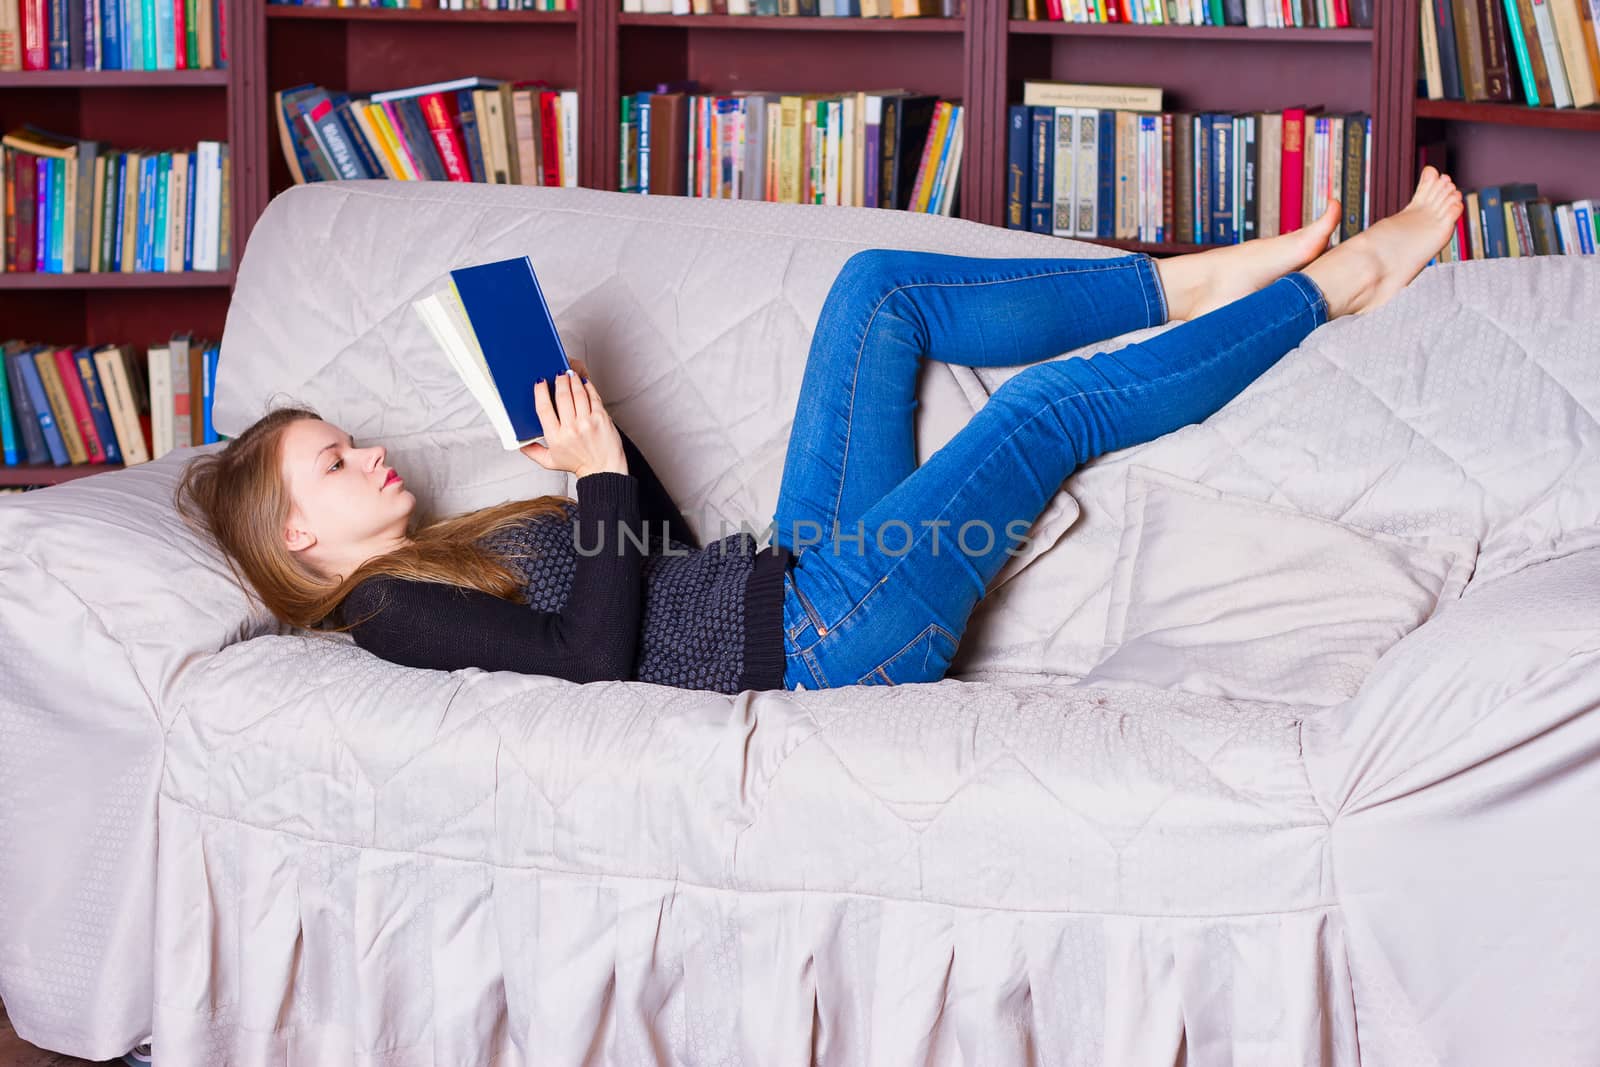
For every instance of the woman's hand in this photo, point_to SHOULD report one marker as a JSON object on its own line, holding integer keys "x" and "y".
{"x": 578, "y": 433}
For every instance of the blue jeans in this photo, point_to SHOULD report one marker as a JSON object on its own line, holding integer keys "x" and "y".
{"x": 891, "y": 557}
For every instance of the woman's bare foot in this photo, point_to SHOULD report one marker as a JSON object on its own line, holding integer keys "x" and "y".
{"x": 1203, "y": 281}
{"x": 1366, "y": 271}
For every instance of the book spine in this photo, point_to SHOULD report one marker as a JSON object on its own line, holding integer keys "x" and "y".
{"x": 1519, "y": 48}
{"x": 871, "y": 145}
{"x": 99, "y": 406}
{"x": 1292, "y": 182}
{"x": 55, "y": 444}
{"x": 1495, "y": 244}
{"x": 1222, "y": 179}
{"x": 1042, "y": 185}
{"x": 1106, "y": 174}
{"x": 1544, "y": 24}
{"x": 1064, "y": 171}
{"x": 159, "y": 222}
{"x": 1087, "y": 223}
{"x": 1354, "y": 192}
{"x": 58, "y": 215}
{"x": 10, "y": 442}
{"x": 78, "y": 404}
{"x": 451, "y": 152}
{"x": 1496, "y": 69}
{"x": 468, "y": 115}
{"x": 56, "y": 397}
{"x": 59, "y": 41}
{"x": 1169, "y": 206}
{"x": 114, "y": 212}
{"x": 190, "y": 196}
{"x": 34, "y": 447}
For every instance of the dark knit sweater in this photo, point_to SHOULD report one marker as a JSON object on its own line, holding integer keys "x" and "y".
{"x": 673, "y": 612}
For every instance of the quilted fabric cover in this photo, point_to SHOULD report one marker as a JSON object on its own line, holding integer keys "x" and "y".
{"x": 365, "y": 864}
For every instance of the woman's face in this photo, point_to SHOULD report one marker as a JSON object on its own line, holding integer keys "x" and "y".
{"x": 347, "y": 503}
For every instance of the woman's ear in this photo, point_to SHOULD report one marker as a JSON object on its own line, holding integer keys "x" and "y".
{"x": 297, "y": 539}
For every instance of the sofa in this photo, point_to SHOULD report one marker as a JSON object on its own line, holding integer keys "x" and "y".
{"x": 1280, "y": 745}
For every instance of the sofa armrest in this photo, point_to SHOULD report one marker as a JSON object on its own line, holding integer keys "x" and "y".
{"x": 1460, "y": 783}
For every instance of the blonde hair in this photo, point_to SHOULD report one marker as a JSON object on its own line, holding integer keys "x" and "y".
{"x": 237, "y": 498}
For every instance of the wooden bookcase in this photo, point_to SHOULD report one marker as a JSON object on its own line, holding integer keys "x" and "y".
{"x": 980, "y": 58}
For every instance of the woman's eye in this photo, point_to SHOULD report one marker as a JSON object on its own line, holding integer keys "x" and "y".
{"x": 337, "y": 464}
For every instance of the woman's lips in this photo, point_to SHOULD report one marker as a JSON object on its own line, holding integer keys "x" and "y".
{"x": 394, "y": 476}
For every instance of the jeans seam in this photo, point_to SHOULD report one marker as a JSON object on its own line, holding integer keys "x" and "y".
{"x": 1111, "y": 263}
{"x": 1151, "y": 279}
{"x": 1140, "y": 387}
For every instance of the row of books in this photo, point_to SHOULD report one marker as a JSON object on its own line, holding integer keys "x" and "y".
{"x": 446, "y": 5}
{"x": 888, "y": 148}
{"x": 113, "y": 34}
{"x": 899, "y": 9}
{"x": 1542, "y": 53}
{"x": 465, "y": 130}
{"x": 78, "y": 205}
{"x": 1501, "y": 221}
{"x": 1077, "y": 168}
{"x": 1257, "y": 14}
{"x": 64, "y": 405}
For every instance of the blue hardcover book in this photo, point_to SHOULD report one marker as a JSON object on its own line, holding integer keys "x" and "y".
{"x": 211, "y": 355}
{"x": 467, "y": 112}
{"x": 1490, "y": 207}
{"x": 151, "y": 165}
{"x": 59, "y": 37}
{"x": 1222, "y": 179}
{"x": 117, "y": 210}
{"x": 83, "y": 359}
{"x": 34, "y": 449}
{"x": 91, "y": 19}
{"x": 1583, "y": 222}
{"x": 41, "y": 408}
{"x": 503, "y": 310}
{"x": 141, "y": 219}
{"x": 1019, "y": 125}
{"x": 352, "y": 132}
{"x": 160, "y": 236}
{"x": 1106, "y": 214}
{"x": 110, "y": 50}
{"x": 10, "y": 444}
{"x": 166, "y": 38}
{"x": 188, "y": 211}
{"x": 1041, "y": 170}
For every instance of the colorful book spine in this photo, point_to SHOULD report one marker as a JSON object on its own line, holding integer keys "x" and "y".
{"x": 99, "y": 411}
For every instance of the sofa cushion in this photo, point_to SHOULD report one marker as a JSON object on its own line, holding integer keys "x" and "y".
{"x": 1230, "y": 597}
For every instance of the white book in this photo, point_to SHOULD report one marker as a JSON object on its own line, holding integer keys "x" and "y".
{"x": 632, "y": 7}
{"x": 569, "y": 137}
{"x": 1064, "y": 171}
{"x": 446, "y": 319}
{"x": 202, "y": 203}
{"x": 160, "y": 363}
{"x": 1087, "y": 222}
{"x": 1255, "y": 14}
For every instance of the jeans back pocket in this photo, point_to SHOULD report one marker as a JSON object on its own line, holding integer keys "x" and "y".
{"x": 924, "y": 658}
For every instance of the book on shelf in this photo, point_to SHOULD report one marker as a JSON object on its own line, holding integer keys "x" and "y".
{"x": 1184, "y": 177}
{"x": 900, "y": 9}
{"x": 113, "y": 35}
{"x": 1254, "y": 14}
{"x": 468, "y": 129}
{"x": 1541, "y": 53}
{"x": 440, "y": 5}
{"x": 887, "y": 148}
{"x": 496, "y": 330}
{"x": 74, "y": 205}
{"x": 1513, "y": 220}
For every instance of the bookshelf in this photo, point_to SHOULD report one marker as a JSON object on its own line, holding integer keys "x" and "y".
{"x": 128, "y": 109}
{"x": 980, "y": 58}
{"x": 1492, "y": 143}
